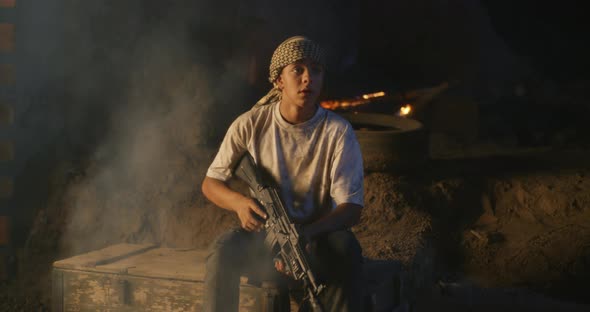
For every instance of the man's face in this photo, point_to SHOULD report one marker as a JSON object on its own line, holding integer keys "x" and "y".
{"x": 301, "y": 83}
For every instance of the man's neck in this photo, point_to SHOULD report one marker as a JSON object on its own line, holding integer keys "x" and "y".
{"x": 295, "y": 114}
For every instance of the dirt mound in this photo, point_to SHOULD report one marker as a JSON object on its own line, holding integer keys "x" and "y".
{"x": 534, "y": 232}
{"x": 492, "y": 222}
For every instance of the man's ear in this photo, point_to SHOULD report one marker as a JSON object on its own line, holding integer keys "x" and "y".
{"x": 279, "y": 83}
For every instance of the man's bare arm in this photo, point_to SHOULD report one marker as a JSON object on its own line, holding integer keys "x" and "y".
{"x": 245, "y": 207}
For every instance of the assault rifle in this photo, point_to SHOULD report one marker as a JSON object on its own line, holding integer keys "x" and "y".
{"x": 280, "y": 231}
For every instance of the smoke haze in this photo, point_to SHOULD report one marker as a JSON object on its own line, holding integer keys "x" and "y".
{"x": 146, "y": 102}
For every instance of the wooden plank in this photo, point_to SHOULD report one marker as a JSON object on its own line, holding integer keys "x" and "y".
{"x": 90, "y": 291}
{"x": 103, "y": 256}
{"x": 167, "y": 263}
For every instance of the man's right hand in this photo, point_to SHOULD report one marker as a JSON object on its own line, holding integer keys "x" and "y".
{"x": 246, "y": 208}
{"x": 250, "y": 215}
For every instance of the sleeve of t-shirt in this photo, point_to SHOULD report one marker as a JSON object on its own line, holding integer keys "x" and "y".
{"x": 347, "y": 171}
{"x": 233, "y": 146}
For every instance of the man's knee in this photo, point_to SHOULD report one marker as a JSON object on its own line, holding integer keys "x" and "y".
{"x": 226, "y": 247}
{"x": 342, "y": 245}
{"x": 340, "y": 255}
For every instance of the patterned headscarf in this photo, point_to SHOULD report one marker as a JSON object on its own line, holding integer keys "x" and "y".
{"x": 290, "y": 51}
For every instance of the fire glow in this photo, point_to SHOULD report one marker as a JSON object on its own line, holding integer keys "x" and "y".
{"x": 373, "y": 95}
{"x": 405, "y": 110}
{"x": 361, "y": 100}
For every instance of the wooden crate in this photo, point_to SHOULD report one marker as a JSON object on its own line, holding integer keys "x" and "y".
{"x": 128, "y": 277}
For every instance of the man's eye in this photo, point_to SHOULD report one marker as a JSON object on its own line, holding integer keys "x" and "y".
{"x": 297, "y": 70}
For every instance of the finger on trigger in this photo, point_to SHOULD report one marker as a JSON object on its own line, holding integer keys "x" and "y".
{"x": 259, "y": 212}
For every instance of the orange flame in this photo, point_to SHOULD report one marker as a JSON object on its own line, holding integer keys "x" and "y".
{"x": 361, "y": 100}
{"x": 405, "y": 110}
{"x": 373, "y": 95}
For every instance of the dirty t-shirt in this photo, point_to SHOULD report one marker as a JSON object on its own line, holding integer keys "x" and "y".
{"x": 316, "y": 164}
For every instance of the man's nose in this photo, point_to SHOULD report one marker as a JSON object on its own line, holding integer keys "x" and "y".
{"x": 306, "y": 77}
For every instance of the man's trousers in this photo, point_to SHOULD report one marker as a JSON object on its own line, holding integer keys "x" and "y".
{"x": 336, "y": 260}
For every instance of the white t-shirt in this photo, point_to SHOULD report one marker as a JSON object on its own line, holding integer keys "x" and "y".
{"x": 316, "y": 164}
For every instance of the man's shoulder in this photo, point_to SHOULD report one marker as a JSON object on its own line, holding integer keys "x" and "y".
{"x": 337, "y": 121}
{"x": 261, "y": 110}
{"x": 255, "y": 114}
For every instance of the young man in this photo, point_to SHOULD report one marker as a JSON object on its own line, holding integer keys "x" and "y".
{"x": 313, "y": 158}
